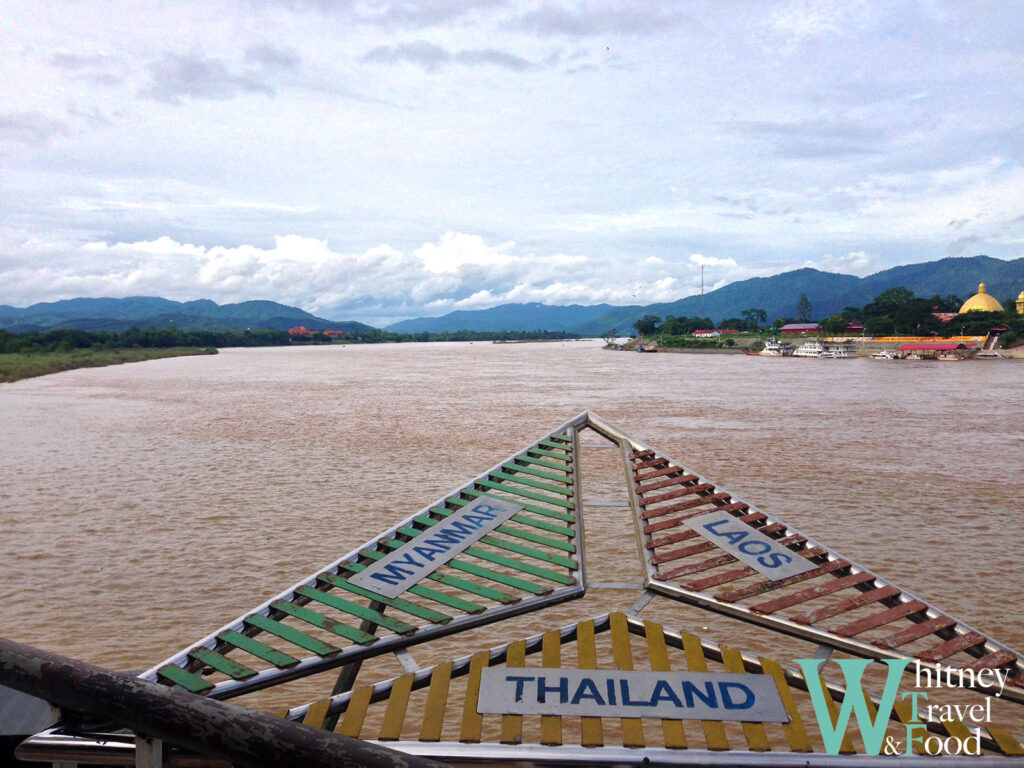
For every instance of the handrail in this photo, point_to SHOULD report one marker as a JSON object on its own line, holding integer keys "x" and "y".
{"x": 209, "y": 727}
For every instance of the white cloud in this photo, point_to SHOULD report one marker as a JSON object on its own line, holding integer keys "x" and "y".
{"x": 455, "y": 250}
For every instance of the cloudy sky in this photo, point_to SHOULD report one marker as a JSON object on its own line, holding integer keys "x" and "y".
{"x": 382, "y": 160}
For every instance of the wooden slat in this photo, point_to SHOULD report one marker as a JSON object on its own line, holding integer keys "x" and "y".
{"x": 257, "y": 649}
{"x": 881, "y": 618}
{"x": 565, "y": 478}
{"x": 714, "y": 732}
{"x": 293, "y": 636}
{"x": 472, "y": 721}
{"x": 666, "y": 483}
{"x": 744, "y": 572}
{"x": 951, "y": 647}
{"x": 544, "y": 525}
{"x": 675, "y": 736}
{"x": 405, "y": 606}
{"x": 317, "y": 713}
{"x": 915, "y": 632}
{"x": 849, "y": 604}
{"x": 229, "y": 667}
{"x": 551, "y": 658}
{"x": 398, "y": 703}
{"x": 437, "y": 702}
{"x": 567, "y": 468}
{"x": 682, "y": 506}
{"x": 455, "y": 581}
{"x": 519, "y": 533}
{"x": 993, "y": 660}
{"x": 795, "y": 732}
{"x": 186, "y": 680}
{"x": 663, "y": 525}
{"x": 512, "y": 725}
{"x": 525, "y": 493}
{"x": 586, "y": 654}
{"x": 352, "y": 723}
{"x": 704, "y": 545}
{"x": 323, "y": 622}
{"x": 558, "y": 446}
{"x": 958, "y": 729}
{"x": 811, "y": 593}
{"x": 550, "y": 454}
{"x": 668, "y": 496}
{"x": 642, "y": 477}
{"x": 757, "y": 739}
{"x": 355, "y": 609}
{"x": 508, "y": 477}
{"x": 732, "y": 595}
{"x": 846, "y": 745}
{"x": 622, "y": 653}
{"x": 905, "y": 712}
{"x": 657, "y": 462}
{"x": 674, "y": 538}
{"x": 1007, "y": 744}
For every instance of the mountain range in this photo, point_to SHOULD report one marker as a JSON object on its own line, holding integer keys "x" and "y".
{"x": 828, "y": 292}
{"x": 117, "y": 315}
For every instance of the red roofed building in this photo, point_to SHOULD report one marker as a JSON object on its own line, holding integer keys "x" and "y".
{"x": 300, "y": 330}
{"x": 799, "y": 329}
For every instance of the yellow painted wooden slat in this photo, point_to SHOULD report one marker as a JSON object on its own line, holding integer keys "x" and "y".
{"x": 472, "y": 721}
{"x": 714, "y": 732}
{"x": 398, "y": 702}
{"x": 512, "y": 725}
{"x": 316, "y": 713}
{"x": 905, "y": 713}
{"x": 622, "y": 653}
{"x": 551, "y": 657}
{"x": 794, "y": 729}
{"x": 352, "y": 723}
{"x": 957, "y": 728}
{"x": 1006, "y": 742}
{"x": 755, "y": 734}
{"x": 586, "y": 653}
{"x": 675, "y": 736}
{"x": 437, "y": 701}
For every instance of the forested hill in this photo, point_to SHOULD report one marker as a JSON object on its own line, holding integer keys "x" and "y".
{"x": 828, "y": 292}
{"x": 117, "y": 315}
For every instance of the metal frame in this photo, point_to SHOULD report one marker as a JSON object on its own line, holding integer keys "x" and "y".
{"x": 310, "y": 665}
{"x": 804, "y": 632}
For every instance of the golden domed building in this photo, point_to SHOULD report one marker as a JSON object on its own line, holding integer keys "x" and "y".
{"x": 982, "y": 302}
{"x": 1020, "y": 303}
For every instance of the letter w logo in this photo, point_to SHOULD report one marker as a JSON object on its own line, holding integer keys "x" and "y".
{"x": 871, "y": 731}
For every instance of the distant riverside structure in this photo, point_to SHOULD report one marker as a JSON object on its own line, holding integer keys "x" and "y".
{"x": 1020, "y": 303}
{"x": 799, "y": 329}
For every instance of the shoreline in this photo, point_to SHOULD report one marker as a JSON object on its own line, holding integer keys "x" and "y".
{"x": 17, "y": 366}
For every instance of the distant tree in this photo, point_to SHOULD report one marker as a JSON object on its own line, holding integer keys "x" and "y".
{"x": 803, "y": 308}
{"x": 610, "y": 335}
{"x": 753, "y": 317}
{"x": 647, "y": 325}
{"x": 731, "y": 322}
{"x": 835, "y": 324}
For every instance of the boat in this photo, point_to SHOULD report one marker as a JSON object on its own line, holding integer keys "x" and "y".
{"x": 839, "y": 349}
{"x": 886, "y": 354}
{"x": 990, "y": 355}
{"x": 584, "y": 690}
{"x": 810, "y": 348}
{"x": 775, "y": 348}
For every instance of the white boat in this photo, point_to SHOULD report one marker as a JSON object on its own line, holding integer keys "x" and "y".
{"x": 810, "y": 348}
{"x": 990, "y": 355}
{"x": 776, "y": 348}
{"x": 838, "y": 350}
{"x": 886, "y": 354}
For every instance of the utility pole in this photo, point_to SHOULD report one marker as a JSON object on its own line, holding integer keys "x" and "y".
{"x": 702, "y": 290}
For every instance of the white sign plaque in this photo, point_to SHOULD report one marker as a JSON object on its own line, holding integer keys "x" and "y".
{"x": 608, "y": 693}
{"x": 750, "y": 546}
{"x": 415, "y": 560}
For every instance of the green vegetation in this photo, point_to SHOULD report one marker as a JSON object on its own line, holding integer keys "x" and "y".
{"x": 24, "y": 365}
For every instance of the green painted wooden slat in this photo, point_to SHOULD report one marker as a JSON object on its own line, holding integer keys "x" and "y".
{"x": 229, "y": 667}
{"x": 550, "y": 454}
{"x": 493, "y": 557}
{"x": 257, "y": 649}
{"x": 514, "y": 478}
{"x": 523, "y": 469}
{"x": 544, "y": 525}
{"x": 511, "y": 546}
{"x": 323, "y": 622}
{"x": 524, "y": 493}
{"x": 413, "y": 609}
{"x": 519, "y": 533}
{"x": 355, "y": 609}
{"x": 556, "y": 445}
{"x": 543, "y": 463}
{"x": 451, "y": 581}
{"x": 186, "y": 680}
{"x": 293, "y": 636}
{"x": 567, "y": 438}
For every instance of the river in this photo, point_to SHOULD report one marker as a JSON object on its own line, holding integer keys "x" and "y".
{"x": 143, "y": 506}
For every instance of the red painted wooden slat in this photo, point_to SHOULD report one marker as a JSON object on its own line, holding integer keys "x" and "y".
{"x": 741, "y": 573}
{"x": 736, "y": 506}
{"x": 992, "y": 661}
{"x": 916, "y": 632}
{"x": 671, "y": 469}
{"x": 662, "y": 497}
{"x": 843, "y": 606}
{"x": 811, "y": 593}
{"x": 732, "y": 595}
{"x": 681, "y": 480}
{"x": 684, "y": 505}
{"x": 881, "y": 618}
{"x": 951, "y": 647}
{"x": 675, "y": 538}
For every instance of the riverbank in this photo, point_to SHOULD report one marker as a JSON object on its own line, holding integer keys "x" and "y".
{"x": 18, "y": 365}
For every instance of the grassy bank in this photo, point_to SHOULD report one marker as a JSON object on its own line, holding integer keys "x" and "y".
{"x": 20, "y": 365}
